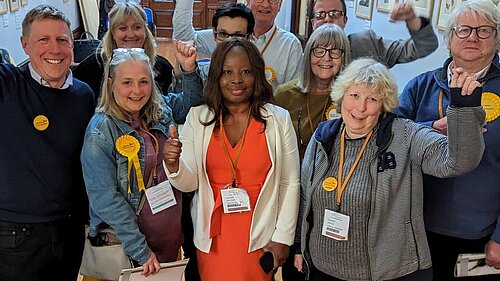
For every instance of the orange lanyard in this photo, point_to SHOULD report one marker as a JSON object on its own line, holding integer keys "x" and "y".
{"x": 341, "y": 186}
{"x": 309, "y": 112}
{"x": 242, "y": 138}
{"x": 269, "y": 41}
{"x": 156, "y": 147}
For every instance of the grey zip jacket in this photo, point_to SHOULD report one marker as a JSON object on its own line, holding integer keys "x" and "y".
{"x": 397, "y": 245}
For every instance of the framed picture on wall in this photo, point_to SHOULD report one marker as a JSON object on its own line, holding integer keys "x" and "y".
{"x": 24, "y": 2}
{"x": 383, "y": 5}
{"x": 444, "y": 12}
{"x": 422, "y": 8}
{"x": 14, "y": 5}
{"x": 364, "y": 9}
{"x": 3, "y": 7}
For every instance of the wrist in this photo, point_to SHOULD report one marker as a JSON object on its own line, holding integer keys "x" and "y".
{"x": 414, "y": 24}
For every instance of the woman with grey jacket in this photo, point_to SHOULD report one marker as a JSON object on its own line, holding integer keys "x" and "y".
{"x": 361, "y": 182}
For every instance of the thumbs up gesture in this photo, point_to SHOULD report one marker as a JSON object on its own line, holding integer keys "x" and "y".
{"x": 172, "y": 149}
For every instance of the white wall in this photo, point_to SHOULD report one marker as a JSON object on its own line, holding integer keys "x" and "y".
{"x": 10, "y": 24}
{"x": 380, "y": 24}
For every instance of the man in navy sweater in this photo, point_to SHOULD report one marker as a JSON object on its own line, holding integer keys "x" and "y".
{"x": 462, "y": 214}
{"x": 44, "y": 113}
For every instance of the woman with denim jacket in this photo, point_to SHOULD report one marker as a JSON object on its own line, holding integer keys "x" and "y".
{"x": 122, "y": 156}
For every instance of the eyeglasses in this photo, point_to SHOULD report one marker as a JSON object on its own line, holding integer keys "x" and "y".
{"x": 274, "y": 2}
{"x": 221, "y": 35}
{"x": 320, "y": 52}
{"x": 483, "y": 31}
{"x": 334, "y": 14}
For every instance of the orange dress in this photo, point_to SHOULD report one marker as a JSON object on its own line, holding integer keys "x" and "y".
{"x": 229, "y": 258}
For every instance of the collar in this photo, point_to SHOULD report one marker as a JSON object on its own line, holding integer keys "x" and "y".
{"x": 266, "y": 35}
{"x": 479, "y": 75}
{"x": 67, "y": 83}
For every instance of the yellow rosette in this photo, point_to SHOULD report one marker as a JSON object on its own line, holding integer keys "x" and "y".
{"x": 270, "y": 74}
{"x": 491, "y": 104}
{"x": 41, "y": 122}
{"x": 129, "y": 146}
{"x": 331, "y": 112}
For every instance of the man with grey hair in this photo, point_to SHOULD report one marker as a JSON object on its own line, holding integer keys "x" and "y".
{"x": 462, "y": 214}
{"x": 44, "y": 113}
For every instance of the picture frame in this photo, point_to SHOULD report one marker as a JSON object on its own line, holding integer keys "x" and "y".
{"x": 24, "y": 3}
{"x": 444, "y": 12}
{"x": 14, "y": 5}
{"x": 3, "y": 7}
{"x": 383, "y": 6}
{"x": 364, "y": 9}
{"x": 422, "y": 8}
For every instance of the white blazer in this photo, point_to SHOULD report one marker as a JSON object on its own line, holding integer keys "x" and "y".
{"x": 276, "y": 210}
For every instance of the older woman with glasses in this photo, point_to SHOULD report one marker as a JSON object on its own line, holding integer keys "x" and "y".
{"x": 361, "y": 215}
{"x": 122, "y": 160}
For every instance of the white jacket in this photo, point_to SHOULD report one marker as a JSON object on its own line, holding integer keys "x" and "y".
{"x": 276, "y": 210}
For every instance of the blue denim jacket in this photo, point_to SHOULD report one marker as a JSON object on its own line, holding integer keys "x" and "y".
{"x": 106, "y": 178}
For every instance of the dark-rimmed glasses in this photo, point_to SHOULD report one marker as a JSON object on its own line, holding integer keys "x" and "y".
{"x": 274, "y": 2}
{"x": 320, "y": 52}
{"x": 483, "y": 31}
{"x": 334, "y": 14}
{"x": 221, "y": 35}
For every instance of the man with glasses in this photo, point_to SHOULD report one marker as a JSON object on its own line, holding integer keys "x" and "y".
{"x": 367, "y": 43}
{"x": 462, "y": 214}
{"x": 44, "y": 113}
{"x": 281, "y": 50}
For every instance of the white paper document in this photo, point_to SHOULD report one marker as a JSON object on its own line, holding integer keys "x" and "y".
{"x": 171, "y": 271}
{"x": 473, "y": 265}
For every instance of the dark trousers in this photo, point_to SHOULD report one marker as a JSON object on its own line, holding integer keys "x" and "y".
{"x": 444, "y": 253}
{"x": 420, "y": 275}
{"x": 191, "y": 273}
{"x": 41, "y": 251}
{"x": 288, "y": 270}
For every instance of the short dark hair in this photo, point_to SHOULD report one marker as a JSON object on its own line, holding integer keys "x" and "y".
{"x": 42, "y": 12}
{"x": 344, "y": 8}
{"x": 234, "y": 10}
{"x": 263, "y": 91}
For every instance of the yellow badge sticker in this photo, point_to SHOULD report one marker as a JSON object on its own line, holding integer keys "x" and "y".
{"x": 129, "y": 146}
{"x": 329, "y": 184}
{"x": 491, "y": 104}
{"x": 331, "y": 112}
{"x": 41, "y": 122}
{"x": 270, "y": 74}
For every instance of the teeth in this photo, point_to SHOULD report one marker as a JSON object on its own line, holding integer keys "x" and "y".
{"x": 326, "y": 66}
{"x": 136, "y": 99}
{"x": 53, "y": 61}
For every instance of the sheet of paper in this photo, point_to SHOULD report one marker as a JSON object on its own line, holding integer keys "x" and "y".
{"x": 171, "y": 271}
{"x": 473, "y": 265}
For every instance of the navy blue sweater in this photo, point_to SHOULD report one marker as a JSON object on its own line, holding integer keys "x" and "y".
{"x": 40, "y": 171}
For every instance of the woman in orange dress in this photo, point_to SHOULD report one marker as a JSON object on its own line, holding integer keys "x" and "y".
{"x": 241, "y": 153}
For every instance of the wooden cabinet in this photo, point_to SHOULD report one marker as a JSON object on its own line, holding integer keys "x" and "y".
{"x": 163, "y": 11}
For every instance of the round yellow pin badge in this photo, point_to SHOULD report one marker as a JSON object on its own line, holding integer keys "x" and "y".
{"x": 270, "y": 74}
{"x": 127, "y": 146}
{"x": 491, "y": 104}
{"x": 331, "y": 112}
{"x": 41, "y": 122}
{"x": 329, "y": 184}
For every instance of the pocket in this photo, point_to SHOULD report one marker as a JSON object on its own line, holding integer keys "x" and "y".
{"x": 12, "y": 235}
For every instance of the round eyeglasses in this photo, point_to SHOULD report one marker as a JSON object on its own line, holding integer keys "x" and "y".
{"x": 320, "y": 52}
{"x": 483, "y": 31}
{"x": 274, "y": 2}
{"x": 334, "y": 14}
{"x": 221, "y": 35}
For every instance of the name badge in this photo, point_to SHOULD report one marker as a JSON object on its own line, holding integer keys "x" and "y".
{"x": 160, "y": 197}
{"x": 235, "y": 200}
{"x": 335, "y": 225}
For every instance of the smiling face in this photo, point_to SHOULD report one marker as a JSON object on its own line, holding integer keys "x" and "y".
{"x": 237, "y": 79}
{"x": 473, "y": 50}
{"x": 131, "y": 86}
{"x": 325, "y": 68}
{"x": 360, "y": 110}
{"x": 326, "y": 6}
{"x": 50, "y": 49}
{"x": 264, "y": 13}
{"x": 131, "y": 33}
